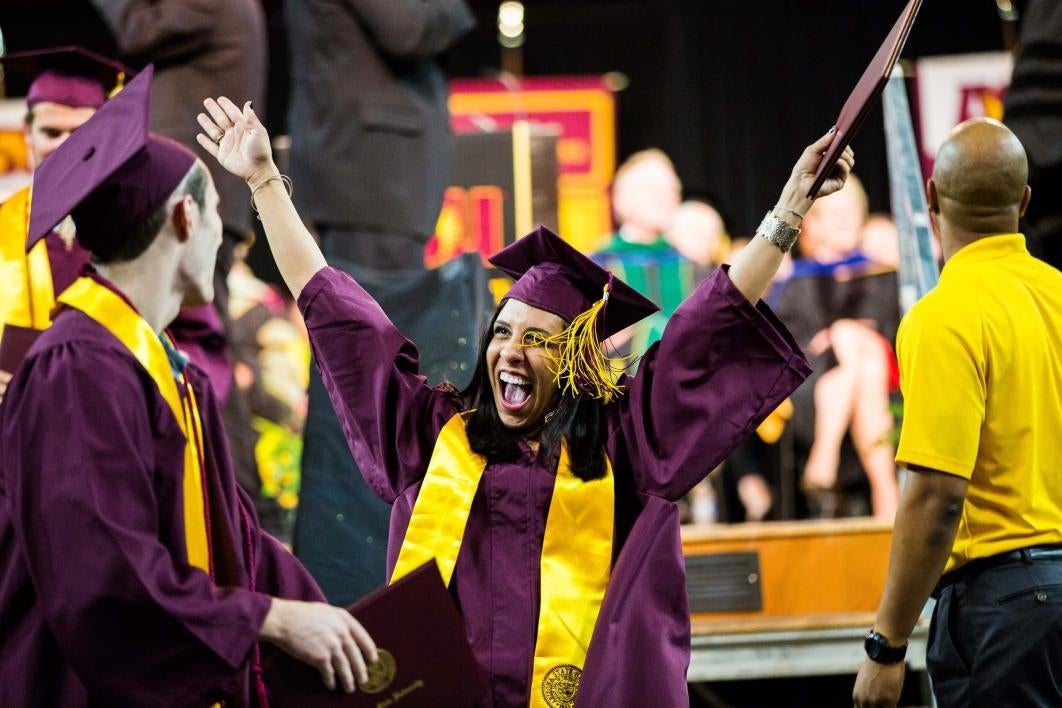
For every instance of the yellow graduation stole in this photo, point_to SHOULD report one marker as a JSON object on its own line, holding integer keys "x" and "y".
{"x": 28, "y": 294}
{"x": 576, "y": 553}
{"x": 117, "y": 317}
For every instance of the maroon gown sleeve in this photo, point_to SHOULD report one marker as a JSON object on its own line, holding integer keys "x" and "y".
{"x": 720, "y": 368}
{"x": 137, "y": 624}
{"x": 389, "y": 415}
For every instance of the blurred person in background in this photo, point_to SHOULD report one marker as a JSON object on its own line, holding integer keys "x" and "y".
{"x": 271, "y": 362}
{"x": 698, "y": 233}
{"x": 844, "y": 309}
{"x": 1032, "y": 108}
{"x": 370, "y": 152}
{"x": 646, "y": 193}
{"x": 67, "y": 87}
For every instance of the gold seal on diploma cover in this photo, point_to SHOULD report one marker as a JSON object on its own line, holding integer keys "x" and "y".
{"x": 381, "y": 672}
{"x": 560, "y": 684}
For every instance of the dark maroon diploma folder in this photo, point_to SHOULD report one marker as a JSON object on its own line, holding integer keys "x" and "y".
{"x": 425, "y": 659}
{"x": 866, "y": 92}
{"x": 15, "y": 344}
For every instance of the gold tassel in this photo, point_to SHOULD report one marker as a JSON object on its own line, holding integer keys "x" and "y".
{"x": 580, "y": 364}
{"x": 119, "y": 84}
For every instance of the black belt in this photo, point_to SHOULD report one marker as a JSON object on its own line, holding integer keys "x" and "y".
{"x": 977, "y": 566}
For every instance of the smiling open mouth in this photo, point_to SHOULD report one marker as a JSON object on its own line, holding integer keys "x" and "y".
{"x": 515, "y": 390}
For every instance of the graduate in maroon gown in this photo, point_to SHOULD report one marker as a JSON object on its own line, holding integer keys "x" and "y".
{"x": 546, "y": 490}
{"x": 68, "y": 85}
{"x": 133, "y": 571}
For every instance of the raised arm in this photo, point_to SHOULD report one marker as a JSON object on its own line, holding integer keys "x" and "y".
{"x": 754, "y": 269}
{"x": 389, "y": 415}
{"x": 723, "y": 364}
{"x": 241, "y": 145}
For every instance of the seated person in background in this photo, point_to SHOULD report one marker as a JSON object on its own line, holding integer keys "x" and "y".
{"x": 880, "y": 241}
{"x": 645, "y": 197}
{"x": 749, "y": 481}
{"x": 698, "y": 233}
{"x": 844, "y": 309}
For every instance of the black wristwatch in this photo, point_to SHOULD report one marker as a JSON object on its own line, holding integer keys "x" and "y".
{"x": 879, "y": 649}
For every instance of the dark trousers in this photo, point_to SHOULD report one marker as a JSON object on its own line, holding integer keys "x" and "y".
{"x": 996, "y": 635}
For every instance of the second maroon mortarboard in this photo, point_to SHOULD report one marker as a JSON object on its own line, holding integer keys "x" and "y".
{"x": 70, "y": 76}
{"x": 110, "y": 175}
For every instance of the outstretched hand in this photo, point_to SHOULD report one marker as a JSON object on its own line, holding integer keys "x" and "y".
{"x": 235, "y": 137}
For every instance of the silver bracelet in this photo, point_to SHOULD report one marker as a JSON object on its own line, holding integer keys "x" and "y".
{"x": 797, "y": 214}
{"x": 777, "y": 232}
{"x": 283, "y": 179}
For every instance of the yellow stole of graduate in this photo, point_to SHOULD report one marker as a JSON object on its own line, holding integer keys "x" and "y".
{"x": 117, "y": 317}
{"x": 27, "y": 292}
{"x": 576, "y": 553}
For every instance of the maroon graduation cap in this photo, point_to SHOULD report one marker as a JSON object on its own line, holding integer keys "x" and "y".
{"x": 552, "y": 275}
{"x": 866, "y": 93}
{"x": 70, "y": 76}
{"x": 110, "y": 174}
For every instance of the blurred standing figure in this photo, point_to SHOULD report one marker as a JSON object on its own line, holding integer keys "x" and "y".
{"x": 1033, "y": 110}
{"x": 370, "y": 158}
{"x": 366, "y": 92}
{"x": 199, "y": 48}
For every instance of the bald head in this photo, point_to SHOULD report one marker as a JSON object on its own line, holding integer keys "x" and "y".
{"x": 980, "y": 178}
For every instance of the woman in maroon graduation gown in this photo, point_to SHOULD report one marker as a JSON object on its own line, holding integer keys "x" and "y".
{"x": 545, "y": 490}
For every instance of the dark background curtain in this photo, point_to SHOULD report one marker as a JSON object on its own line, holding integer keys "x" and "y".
{"x": 731, "y": 89}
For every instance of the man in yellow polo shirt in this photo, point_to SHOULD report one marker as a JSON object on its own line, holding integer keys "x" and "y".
{"x": 981, "y": 373}
{"x": 67, "y": 87}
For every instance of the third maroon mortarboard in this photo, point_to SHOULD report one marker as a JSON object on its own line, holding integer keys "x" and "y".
{"x": 110, "y": 175}
{"x": 69, "y": 76}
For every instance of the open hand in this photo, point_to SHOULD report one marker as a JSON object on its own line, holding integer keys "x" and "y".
{"x": 235, "y": 137}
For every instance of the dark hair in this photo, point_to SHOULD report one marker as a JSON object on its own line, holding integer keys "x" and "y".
{"x": 578, "y": 419}
{"x": 139, "y": 238}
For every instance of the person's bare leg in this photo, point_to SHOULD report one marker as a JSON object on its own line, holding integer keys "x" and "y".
{"x": 755, "y": 496}
{"x": 834, "y": 397}
{"x": 871, "y": 430}
{"x": 861, "y": 350}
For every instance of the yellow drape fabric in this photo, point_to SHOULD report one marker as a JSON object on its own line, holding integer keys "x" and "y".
{"x": 113, "y": 313}
{"x": 576, "y": 553}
